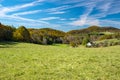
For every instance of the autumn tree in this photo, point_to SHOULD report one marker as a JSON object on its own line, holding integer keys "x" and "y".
{"x": 6, "y": 32}
{"x": 21, "y": 34}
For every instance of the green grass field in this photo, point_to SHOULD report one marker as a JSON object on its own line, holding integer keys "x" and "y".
{"x": 24, "y": 61}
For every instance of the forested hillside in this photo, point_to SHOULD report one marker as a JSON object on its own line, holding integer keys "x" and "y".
{"x": 50, "y": 36}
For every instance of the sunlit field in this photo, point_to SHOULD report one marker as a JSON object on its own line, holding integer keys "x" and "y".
{"x": 25, "y": 61}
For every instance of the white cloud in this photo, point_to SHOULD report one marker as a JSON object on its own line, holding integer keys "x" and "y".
{"x": 79, "y": 22}
{"x": 105, "y": 8}
{"x": 115, "y": 8}
{"x": 85, "y": 21}
{"x": 78, "y": 3}
{"x": 17, "y": 20}
{"x": 52, "y": 18}
{"x": 109, "y": 23}
{"x": 71, "y": 2}
{"x": 58, "y": 12}
{"x": 60, "y": 8}
{"x": 5, "y": 10}
{"x": 49, "y": 18}
{"x": 27, "y": 12}
{"x": 62, "y": 19}
{"x": 93, "y": 21}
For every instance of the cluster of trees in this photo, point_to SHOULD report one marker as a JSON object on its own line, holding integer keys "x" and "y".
{"x": 21, "y": 34}
{"x": 6, "y": 32}
{"x": 46, "y": 36}
{"x": 49, "y": 36}
{"x": 92, "y": 34}
{"x": 39, "y": 36}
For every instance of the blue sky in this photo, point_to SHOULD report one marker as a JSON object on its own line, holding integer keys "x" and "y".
{"x": 60, "y": 14}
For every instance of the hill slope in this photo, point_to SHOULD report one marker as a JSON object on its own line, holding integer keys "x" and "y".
{"x": 94, "y": 29}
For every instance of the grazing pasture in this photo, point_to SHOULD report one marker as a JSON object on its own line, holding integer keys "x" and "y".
{"x": 25, "y": 61}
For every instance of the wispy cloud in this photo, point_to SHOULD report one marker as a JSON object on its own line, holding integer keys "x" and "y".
{"x": 62, "y": 9}
{"x": 57, "y": 12}
{"x": 95, "y": 12}
{"x": 85, "y": 19}
{"x": 5, "y": 10}
{"x": 115, "y": 7}
{"x": 15, "y": 17}
{"x": 58, "y": 9}
{"x": 105, "y": 8}
{"x": 72, "y": 2}
{"x": 109, "y": 23}
{"x": 27, "y": 12}
{"x": 49, "y": 18}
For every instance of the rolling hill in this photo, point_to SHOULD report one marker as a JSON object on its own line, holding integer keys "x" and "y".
{"x": 94, "y": 29}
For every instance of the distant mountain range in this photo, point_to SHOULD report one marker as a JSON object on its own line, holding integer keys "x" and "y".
{"x": 94, "y": 29}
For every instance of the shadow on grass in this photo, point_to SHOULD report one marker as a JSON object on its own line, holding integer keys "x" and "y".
{"x": 61, "y": 45}
{"x": 7, "y": 44}
{"x": 55, "y": 44}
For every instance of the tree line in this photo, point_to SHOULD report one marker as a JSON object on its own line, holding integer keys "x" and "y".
{"x": 48, "y": 36}
{"x": 22, "y": 34}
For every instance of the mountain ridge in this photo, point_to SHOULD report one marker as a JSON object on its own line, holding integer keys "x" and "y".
{"x": 94, "y": 29}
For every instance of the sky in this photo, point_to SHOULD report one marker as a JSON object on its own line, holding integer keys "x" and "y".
{"x": 60, "y": 14}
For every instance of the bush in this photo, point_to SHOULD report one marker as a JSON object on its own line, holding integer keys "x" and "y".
{"x": 106, "y": 37}
{"x": 73, "y": 44}
{"x": 47, "y": 41}
{"x": 105, "y": 44}
{"x": 114, "y": 43}
{"x": 110, "y": 44}
{"x": 85, "y": 41}
{"x": 96, "y": 45}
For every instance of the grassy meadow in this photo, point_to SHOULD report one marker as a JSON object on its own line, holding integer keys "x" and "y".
{"x": 25, "y": 61}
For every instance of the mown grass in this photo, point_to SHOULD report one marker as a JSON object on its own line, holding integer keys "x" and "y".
{"x": 24, "y": 61}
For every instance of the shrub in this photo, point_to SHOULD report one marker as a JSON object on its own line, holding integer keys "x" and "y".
{"x": 47, "y": 41}
{"x": 73, "y": 44}
{"x": 110, "y": 44}
{"x": 105, "y": 37}
{"x": 105, "y": 44}
{"x": 96, "y": 45}
{"x": 115, "y": 43}
{"x": 85, "y": 41}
